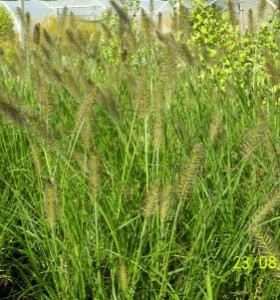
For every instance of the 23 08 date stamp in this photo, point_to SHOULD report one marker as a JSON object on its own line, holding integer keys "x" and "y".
{"x": 259, "y": 262}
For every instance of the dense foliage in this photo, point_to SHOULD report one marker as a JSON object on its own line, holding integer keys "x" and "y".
{"x": 7, "y": 34}
{"x": 6, "y": 24}
{"x": 141, "y": 165}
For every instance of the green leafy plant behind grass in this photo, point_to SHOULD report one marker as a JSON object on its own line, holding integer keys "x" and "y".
{"x": 6, "y": 25}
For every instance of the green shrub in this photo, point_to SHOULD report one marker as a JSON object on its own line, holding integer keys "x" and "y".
{"x": 6, "y": 25}
{"x": 8, "y": 42}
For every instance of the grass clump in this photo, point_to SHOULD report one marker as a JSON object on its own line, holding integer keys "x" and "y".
{"x": 134, "y": 162}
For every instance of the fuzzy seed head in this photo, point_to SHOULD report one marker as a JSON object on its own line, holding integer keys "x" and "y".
{"x": 94, "y": 175}
{"x": 83, "y": 122}
{"x": 191, "y": 171}
{"x": 50, "y": 203}
{"x": 143, "y": 97}
{"x": 37, "y": 34}
{"x": 165, "y": 203}
{"x": 254, "y": 139}
{"x": 123, "y": 277}
{"x": 36, "y": 159}
{"x": 267, "y": 208}
{"x": 152, "y": 199}
{"x": 158, "y": 125}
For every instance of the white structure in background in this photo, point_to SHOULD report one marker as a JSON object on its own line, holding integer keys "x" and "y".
{"x": 94, "y": 9}
{"x": 40, "y": 10}
{"x": 242, "y": 7}
{"x": 85, "y": 9}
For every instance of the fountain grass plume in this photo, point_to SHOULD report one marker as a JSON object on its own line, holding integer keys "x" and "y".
{"x": 124, "y": 18}
{"x": 21, "y": 15}
{"x": 124, "y": 279}
{"x": 253, "y": 139}
{"x": 190, "y": 172}
{"x": 37, "y": 34}
{"x": 36, "y": 160}
{"x": 51, "y": 203}
{"x": 14, "y": 114}
{"x": 71, "y": 80}
{"x": 46, "y": 52}
{"x": 72, "y": 38}
{"x": 158, "y": 118}
{"x": 27, "y": 26}
{"x": 83, "y": 119}
{"x": 267, "y": 247}
{"x": 232, "y": 15}
{"x": 39, "y": 129}
{"x": 272, "y": 67}
{"x": 142, "y": 94}
{"x": 266, "y": 209}
{"x": 86, "y": 133}
{"x": 159, "y": 23}
{"x": 26, "y": 118}
{"x": 152, "y": 200}
{"x": 62, "y": 18}
{"x": 183, "y": 20}
{"x": 48, "y": 37}
{"x": 158, "y": 130}
{"x": 165, "y": 202}
{"x": 147, "y": 24}
{"x": 251, "y": 22}
{"x": 152, "y": 7}
{"x": 261, "y": 9}
{"x": 94, "y": 169}
{"x": 106, "y": 98}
